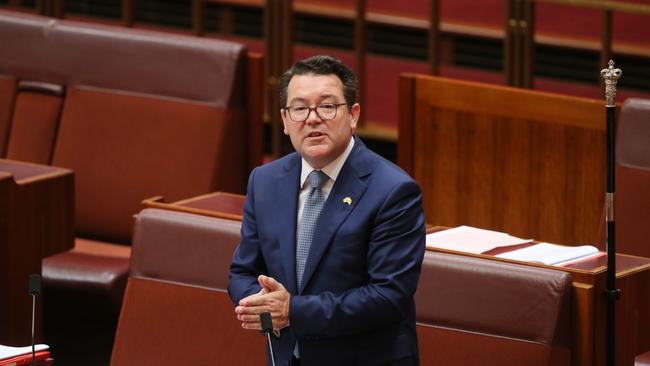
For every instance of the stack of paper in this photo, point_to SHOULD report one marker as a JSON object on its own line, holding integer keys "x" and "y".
{"x": 551, "y": 254}
{"x": 16, "y": 356}
{"x": 471, "y": 240}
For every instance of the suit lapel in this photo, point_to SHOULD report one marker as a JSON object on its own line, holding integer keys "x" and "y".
{"x": 286, "y": 208}
{"x": 346, "y": 193}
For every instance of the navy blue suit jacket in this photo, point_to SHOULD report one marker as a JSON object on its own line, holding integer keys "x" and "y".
{"x": 356, "y": 303}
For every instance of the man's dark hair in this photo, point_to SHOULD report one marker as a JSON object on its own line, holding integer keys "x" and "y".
{"x": 321, "y": 65}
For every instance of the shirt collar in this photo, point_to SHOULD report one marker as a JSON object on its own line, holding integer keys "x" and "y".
{"x": 332, "y": 169}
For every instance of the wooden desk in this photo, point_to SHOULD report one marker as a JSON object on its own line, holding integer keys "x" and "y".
{"x": 588, "y": 303}
{"x": 36, "y": 220}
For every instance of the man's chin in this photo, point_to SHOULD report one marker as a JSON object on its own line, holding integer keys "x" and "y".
{"x": 316, "y": 154}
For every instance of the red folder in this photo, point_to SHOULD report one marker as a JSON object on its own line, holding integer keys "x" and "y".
{"x": 24, "y": 359}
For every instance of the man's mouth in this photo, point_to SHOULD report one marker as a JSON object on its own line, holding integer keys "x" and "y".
{"x": 315, "y": 134}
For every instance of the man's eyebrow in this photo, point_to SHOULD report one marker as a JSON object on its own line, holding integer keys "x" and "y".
{"x": 325, "y": 96}
{"x": 302, "y": 100}
{"x": 297, "y": 99}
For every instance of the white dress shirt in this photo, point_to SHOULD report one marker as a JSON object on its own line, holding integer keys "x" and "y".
{"x": 332, "y": 171}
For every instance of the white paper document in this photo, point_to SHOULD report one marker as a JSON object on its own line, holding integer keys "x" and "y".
{"x": 550, "y": 254}
{"x": 471, "y": 240}
{"x": 9, "y": 352}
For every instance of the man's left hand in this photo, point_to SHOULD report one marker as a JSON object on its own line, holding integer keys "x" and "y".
{"x": 273, "y": 298}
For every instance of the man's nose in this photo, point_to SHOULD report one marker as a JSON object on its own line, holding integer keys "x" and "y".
{"x": 313, "y": 117}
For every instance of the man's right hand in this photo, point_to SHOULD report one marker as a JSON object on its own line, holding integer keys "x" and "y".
{"x": 272, "y": 298}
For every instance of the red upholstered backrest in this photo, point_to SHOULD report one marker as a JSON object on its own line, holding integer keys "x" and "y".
{"x": 179, "y": 269}
{"x": 183, "y": 248}
{"x": 139, "y": 61}
{"x": 632, "y": 202}
{"x": 125, "y": 148}
{"x": 145, "y": 114}
{"x": 35, "y": 122}
{"x": 491, "y": 311}
{"x": 633, "y": 149}
{"x": 7, "y": 95}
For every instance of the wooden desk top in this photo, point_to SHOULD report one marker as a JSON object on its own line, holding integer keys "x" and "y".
{"x": 217, "y": 204}
{"x": 625, "y": 264}
{"x": 230, "y": 206}
{"x": 24, "y": 172}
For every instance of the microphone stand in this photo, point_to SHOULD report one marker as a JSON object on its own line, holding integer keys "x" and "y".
{"x": 267, "y": 328}
{"x": 33, "y": 336}
{"x": 34, "y": 290}
{"x": 611, "y": 76}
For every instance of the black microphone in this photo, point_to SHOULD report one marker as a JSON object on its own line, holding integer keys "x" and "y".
{"x": 267, "y": 328}
{"x": 34, "y": 290}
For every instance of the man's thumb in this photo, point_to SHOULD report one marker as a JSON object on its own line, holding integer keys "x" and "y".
{"x": 268, "y": 282}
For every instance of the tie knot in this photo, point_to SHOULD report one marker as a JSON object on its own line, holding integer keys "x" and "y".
{"x": 316, "y": 178}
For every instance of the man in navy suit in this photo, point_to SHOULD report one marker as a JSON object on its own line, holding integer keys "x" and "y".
{"x": 333, "y": 235}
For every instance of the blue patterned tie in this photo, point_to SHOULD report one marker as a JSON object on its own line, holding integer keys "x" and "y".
{"x": 310, "y": 213}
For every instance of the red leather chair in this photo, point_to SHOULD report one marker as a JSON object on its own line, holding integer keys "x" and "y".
{"x": 632, "y": 202}
{"x": 143, "y": 114}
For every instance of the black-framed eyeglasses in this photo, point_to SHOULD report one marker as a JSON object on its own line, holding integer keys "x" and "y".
{"x": 325, "y": 111}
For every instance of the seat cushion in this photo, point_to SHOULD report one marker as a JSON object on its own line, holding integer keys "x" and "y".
{"x": 91, "y": 267}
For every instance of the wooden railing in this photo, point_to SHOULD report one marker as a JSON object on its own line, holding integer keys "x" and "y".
{"x": 518, "y": 35}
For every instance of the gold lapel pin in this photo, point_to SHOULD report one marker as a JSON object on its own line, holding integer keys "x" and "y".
{"x": 347, "y": 200}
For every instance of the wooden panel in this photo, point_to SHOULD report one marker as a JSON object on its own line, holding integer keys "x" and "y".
{"x": 202, "y": 331}
{"x": 406, "y": 111}
{"x": 36, "y": 220}
{"x": 440, "y": 346}
{"x": 582, "y": 324}
{"x": 527, "y": 163}
{"x": 255, "y": 109}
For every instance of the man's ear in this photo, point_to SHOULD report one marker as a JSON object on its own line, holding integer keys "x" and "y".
{"x": 283, "y": 114}
{"x": 355, "y": 112}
